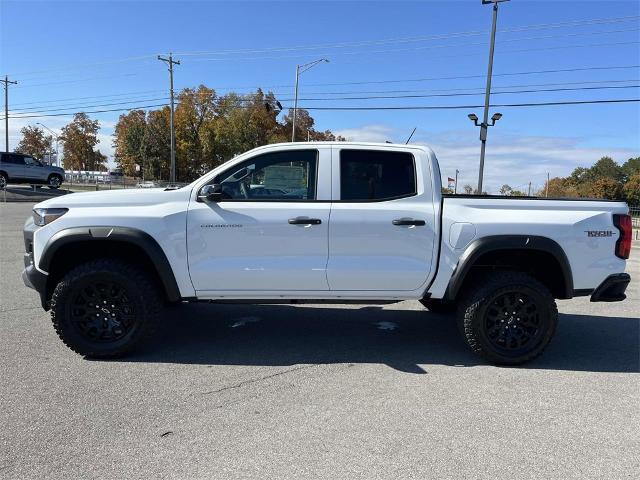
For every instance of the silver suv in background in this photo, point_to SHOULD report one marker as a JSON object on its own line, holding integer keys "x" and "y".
{"x": 20, "y": 168}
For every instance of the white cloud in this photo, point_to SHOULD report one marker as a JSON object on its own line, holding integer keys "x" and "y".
{"x": 512, "y": 159}
{"x": 367, "y": 133}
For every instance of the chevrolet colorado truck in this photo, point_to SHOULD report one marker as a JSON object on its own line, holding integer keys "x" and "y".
{"x": 319, "y": 222}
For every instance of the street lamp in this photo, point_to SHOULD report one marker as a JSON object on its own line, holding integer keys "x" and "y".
{"x": 487, "y": 94}
{"x": 54, "y": 136}
{"x": 301, "y": 69}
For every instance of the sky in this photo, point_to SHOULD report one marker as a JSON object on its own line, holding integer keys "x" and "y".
{"x": 94, "y": 55}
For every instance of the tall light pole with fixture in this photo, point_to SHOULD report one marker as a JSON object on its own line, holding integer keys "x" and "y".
{"x": 485, "y": 118}
{"x": 54, "y": 136}
{"x": 301, "y": 69}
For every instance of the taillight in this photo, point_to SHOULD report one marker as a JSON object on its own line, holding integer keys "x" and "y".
{"x": 623, "y": 245}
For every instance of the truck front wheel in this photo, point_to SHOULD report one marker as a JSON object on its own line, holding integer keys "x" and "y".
{"x": 508, "y": 318}
{"x": 104, "y": 308}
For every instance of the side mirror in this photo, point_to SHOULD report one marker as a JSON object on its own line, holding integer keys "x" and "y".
{"x": 210, "y": 193}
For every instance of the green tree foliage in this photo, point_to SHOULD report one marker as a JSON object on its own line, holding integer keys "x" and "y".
{"x": 79, "y": 139}
{"x": 631, "y": 167}
{"x": 34, "y": 142}
{"x": 605, "y": 179}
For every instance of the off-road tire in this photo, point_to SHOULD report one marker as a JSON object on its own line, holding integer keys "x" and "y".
{"x": 140, "y": 297}
{"x": 4, "y": 180}
{"x": 50, "y": 180}
{"x": 478, "y": 321}
{"x": 438, "y": 306}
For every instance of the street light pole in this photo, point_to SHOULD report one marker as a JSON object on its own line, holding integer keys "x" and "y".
{"x": 487, "y": 94}
{"x": 299, "y": 70}
{"x": 455, "y": 185}
{"x": 53, "y": 135}
{"x": 171, "y": 62}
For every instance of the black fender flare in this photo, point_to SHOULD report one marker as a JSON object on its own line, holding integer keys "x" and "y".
{"x": 493, "y": 243}
{"x": 120, "y": 234}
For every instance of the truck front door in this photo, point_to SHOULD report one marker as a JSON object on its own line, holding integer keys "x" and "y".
{"x": 269, "y": 232}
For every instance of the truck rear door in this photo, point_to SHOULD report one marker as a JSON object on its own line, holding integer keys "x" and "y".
{"x": 382, "y": 225}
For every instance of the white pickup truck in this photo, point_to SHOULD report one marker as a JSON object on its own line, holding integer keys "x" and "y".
{"x": 323, "y": 222}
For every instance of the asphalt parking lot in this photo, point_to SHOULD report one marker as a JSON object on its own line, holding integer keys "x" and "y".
{"x": 270, "y": 392}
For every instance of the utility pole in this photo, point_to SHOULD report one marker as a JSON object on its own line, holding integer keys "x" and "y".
{"x": 6, "y": 82}
{"x": 529, "y": 192}
{"x": 171, "y": 62}
{"x": 301, "y": 69}
{"x": 455, "y": 185}
{"x": 487, "y": 94}
{"x": 546, "y": 190}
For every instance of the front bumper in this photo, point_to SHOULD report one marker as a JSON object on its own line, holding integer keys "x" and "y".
{"x": 31, "y": 276}
{"x": 35, "y": 279}
{"x": 612, "y": 288}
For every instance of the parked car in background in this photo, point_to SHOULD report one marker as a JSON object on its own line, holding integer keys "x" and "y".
{"x": 20, "y": 168}
{"x": 147, "y": 184}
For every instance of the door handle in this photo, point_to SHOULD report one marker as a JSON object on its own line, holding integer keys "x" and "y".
{"x": 408, "y": 221}
{"x": 304, "y": 221}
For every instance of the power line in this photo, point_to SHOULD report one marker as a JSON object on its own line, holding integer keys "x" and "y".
{"x": 459, "y": 77}
{"x": 573, "y": 23}
{"x": 374, "y": 97}
{"x": 137, "y": 107}
{"x": 415, "y": 107}
{"x": 456, "y": 107}
{"x": 131, "y": 98}
{"x": 75, "y": 106}
{"x": 250, "y": 97}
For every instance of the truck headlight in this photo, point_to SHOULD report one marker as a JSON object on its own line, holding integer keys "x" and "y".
{"x": 44, "y": 216}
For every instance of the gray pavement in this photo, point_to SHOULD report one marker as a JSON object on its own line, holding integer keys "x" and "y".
{"x": 287, "y": 392}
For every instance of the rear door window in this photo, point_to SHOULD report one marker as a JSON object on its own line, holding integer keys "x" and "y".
{"x": 376, "y": 175}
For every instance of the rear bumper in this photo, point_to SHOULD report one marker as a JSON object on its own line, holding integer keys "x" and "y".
{"x": 612, "y": 289}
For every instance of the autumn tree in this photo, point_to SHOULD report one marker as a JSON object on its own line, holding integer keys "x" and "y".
{"x": 79, "y": 139}
{"x": 129, "y": 141}
{"x": 195, "y": 135}
{"x": 34, "y": 142}
{"x": 157, "y": 143}
{"x": 631, "y": 189}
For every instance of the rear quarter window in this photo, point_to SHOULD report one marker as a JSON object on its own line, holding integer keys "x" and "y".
{"x": 375, "y": 175}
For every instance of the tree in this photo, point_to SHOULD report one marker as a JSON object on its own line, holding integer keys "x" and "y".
{"x": 631, "y": 189}
{"x": 606, "y": 168}
{"x": 559, "y": 188}
{"x": 79, "y": 138}
{"x": 630, "y": 168}
{"x": 505, "y": 190}
{"x": 195, "y": 135}
{"x": 129, "y": 141}
{"x": 34, "y": 142}
{"x": 605, "y": 187}
{"x": 468, "y": 189}
{"x": 157, "y": 143}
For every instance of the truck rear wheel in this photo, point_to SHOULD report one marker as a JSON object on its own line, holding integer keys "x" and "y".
{"x": 104, "y": 308}
{"x": 509, "y": 318}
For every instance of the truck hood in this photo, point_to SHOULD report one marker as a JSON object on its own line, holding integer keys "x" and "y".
{"x": 130, "y": 198}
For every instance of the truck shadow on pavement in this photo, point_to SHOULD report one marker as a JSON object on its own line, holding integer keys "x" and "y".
{"x": 281, "y": 335}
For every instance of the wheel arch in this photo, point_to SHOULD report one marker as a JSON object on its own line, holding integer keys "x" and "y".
{"x": 539, "y": 256}
{"x": 73, "y": 246}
